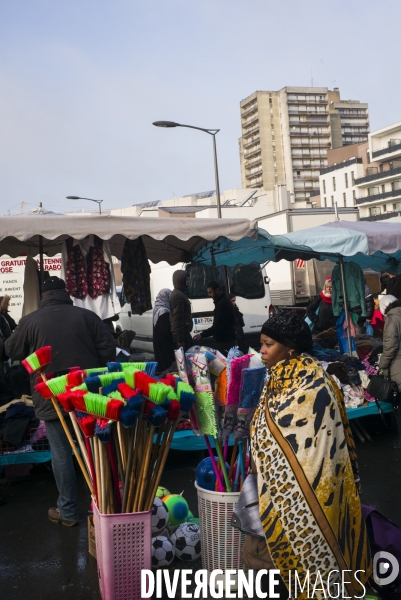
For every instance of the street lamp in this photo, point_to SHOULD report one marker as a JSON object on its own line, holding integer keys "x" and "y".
{"x": 212, "y": 132}
{"x": 98, "y": 202}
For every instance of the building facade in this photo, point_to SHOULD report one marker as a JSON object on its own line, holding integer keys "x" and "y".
{"x": 286, "y": 135}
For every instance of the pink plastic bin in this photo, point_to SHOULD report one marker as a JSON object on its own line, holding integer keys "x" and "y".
{"x": 123, "y": 549}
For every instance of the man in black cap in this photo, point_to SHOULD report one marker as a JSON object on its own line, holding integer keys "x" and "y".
{"x": 77, "y": 337}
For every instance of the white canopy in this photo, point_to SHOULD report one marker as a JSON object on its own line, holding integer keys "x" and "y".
{"x": 170, "y": 239}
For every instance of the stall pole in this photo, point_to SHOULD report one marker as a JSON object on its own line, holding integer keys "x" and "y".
{"x": 347, "y": 317}
{"x": 42, "y": 273}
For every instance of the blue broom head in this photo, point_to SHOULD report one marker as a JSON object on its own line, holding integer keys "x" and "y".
{"x": 93, "y": 384}
{"x": 157, "y": 415}
{"x": 251, "y": 387}
{"x": 187, "y": 400}
{"x": 128, "y": 416}
{"x": 103, "y": 430}
{"x": 135, "y": 402}
{"x": 112, "y": 387}
{"x": 150, "y": 368}
{"x": 80, "y": 415}
{"x": 114, "y": 367}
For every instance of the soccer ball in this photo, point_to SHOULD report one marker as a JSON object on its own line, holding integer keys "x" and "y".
{"x": 187, "y": 541}
{"x": 162, "y": 552}
{"x": 162, "y": 491}
{"x": 159, "y": 515}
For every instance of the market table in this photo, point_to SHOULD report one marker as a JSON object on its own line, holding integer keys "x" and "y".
{"x": 355, "y": 414}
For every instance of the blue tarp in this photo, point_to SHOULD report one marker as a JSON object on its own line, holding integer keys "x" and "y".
{"x": 370, "y": 244}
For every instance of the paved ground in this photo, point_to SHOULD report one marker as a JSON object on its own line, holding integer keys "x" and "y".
{"x": 42, "y": 561}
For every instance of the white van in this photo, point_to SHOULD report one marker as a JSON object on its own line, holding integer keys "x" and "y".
{"x": 249, "y": 283}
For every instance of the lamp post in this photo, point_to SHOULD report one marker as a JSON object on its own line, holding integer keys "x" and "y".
{"x": 98, "y": 202}
{"x": 212, "y": 132}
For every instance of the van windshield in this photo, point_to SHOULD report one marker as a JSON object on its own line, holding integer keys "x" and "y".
{"x": 246, "y": 281}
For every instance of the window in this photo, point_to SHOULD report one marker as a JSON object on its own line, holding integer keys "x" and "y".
{"x": 344, "y": 199}
{"x": 199, "y": 277}
{"x": 325, "y": 201}
{"x": 375, "y": 210}
{"x": 273, "y": 143}
{"x": 270, "y": 101}
{"x": 353, "y": 177}
{"x": 384, "y": 208}
{"x": 332, "y": 200}
{"x": 354, "y": 196}
{"x": 246, "y": 281}
{"x": 383, "y": 189}
{"x": 334, "y": 184}
{"x": 346, "y": 180}
{"x": 324, "y": 186}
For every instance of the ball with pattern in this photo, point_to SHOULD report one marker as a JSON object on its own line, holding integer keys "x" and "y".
{"x": 162, "y": 552}
{"x": 159, "y": 515}
{"x": 187, "y": 541}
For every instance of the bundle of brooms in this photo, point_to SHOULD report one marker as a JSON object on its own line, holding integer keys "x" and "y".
{"x": 124, "y": 421}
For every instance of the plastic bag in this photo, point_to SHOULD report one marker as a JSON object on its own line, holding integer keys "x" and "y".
{"x": 369, "y": 329}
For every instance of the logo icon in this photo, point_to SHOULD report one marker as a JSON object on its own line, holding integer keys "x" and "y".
{"x": 385, "y": 568}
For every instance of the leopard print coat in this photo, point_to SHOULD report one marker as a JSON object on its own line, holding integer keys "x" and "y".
{"x": 308, "y": 501}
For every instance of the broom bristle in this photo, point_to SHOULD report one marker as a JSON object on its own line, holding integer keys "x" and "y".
{"x": 103, "y": 430}
{"x": 114, "y": 367}
{"x": 78, "y": 400}
{"x": 113, "y": 410}
{"x": 111, "y": 387}
{"x": 43, "y": 390}
{"x": 205, "y": 413}
{"x": 125, "y": 390}
{"x": 75, "y": 377}
{"x": 87, "y": 424}
{"x": 93, "y": 384}
{"x": 151, "y": 368}
{"x": 234, "y": 384}
{"x": 173, "y": 410}
{"x": 65, "y": 401}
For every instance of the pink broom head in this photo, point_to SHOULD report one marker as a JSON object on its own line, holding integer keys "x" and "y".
{"x": 102, "y": 423}
{"x": 87, "y": 424}
{"x": 65, "y": 401}
{"x": 72, "y": 369}
{"x": 38, "y": 360}
{"x": 126, "y": 390}
{"x": 44, "y": 390}
{"x": 78, "y": 400}
{"x": 170, "y": 380}
{"x": 234, "y": 385}
{"x": 149, "y": 405}
{"x": 48, "y": 376}
{"x": 76, "y": 377}
{"x": 173, "y": 410}
{"x": 113, "y": 410}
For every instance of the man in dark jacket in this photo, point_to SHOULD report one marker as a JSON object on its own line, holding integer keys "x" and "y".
{"x": 77, "y": 337}
{"x": 180, "y": 311}
{"x": 223, "y": 328}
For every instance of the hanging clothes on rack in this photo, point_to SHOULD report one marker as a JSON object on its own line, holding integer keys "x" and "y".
{"x": 136, "y": 276}
{"x": 355, "y": 284}
{"x": 98, "y": 276}
{"x": 31, "y": 287}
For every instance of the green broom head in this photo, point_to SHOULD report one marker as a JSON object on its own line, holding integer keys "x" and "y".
{"x": 95, "y": 404}
{"x": 58, "y": 384}
{"x": 38, "y": 360}
{"x": 186, "y": 395}
{"x": 95, "y": 371}
{"x": 205, "y": 413}
{"x": 115, "y": 395}
{"x": 82, "y": 387}
{"x": 159, "y": 392}
{"x": 138, "y": 366}
{"x": 129, "y": 376}
{"x": 112, "y": 387}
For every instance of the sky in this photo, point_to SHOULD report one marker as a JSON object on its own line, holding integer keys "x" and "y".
{"x": 83, "y": 80}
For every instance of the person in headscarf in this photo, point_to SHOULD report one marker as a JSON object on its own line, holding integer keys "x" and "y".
{"x": 180, "y": 311}
{"x": 320, "y": 310}
{"x": 304, "y": 453}
{"x": 390, "y": 360}
{"x": 163, "y": 344}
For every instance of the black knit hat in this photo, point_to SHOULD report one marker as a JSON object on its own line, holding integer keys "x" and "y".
{"x": 289, "y": 329}
{"x": 53, "y": 283}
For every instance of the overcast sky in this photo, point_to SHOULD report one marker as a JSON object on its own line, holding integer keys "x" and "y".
{"x": 82, "y": 81}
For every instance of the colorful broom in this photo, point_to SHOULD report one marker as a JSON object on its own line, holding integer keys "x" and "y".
{"x": 36, "y": 362}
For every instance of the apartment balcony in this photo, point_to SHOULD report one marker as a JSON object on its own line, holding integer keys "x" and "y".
{"x": 390, "y": 150}
{"x": 345, "y": 163}
{"x": 252, "y": 163}
{"x": 253, "y": 141}
{"x": 376, "y": 197}
{"x": 378, "y": 176}
{"x": 252, "y": 152}
{"x": 306, "y": 113}
{"x": 249, "y": 110}
{"x": 258, "y": 182}
{"x": 307, "y": 101}
{"x": 251, "y": 119}
{"x": 254, "y": 173}
{"x": 250, "y": 131}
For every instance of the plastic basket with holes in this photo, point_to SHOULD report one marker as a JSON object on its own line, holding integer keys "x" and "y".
{"x": 221, "y": 543}
{"x": 123, "y": 549}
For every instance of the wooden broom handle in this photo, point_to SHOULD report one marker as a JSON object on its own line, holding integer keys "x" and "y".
{"x": 69, "y": 437}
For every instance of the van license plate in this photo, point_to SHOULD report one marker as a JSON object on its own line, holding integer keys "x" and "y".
{"x": 203, "y": 320}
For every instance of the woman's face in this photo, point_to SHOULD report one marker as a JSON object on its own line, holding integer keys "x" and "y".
{"x": 328, "y": 288}
{"x": 234, "y": 301}
{"x": 272, "y": 352}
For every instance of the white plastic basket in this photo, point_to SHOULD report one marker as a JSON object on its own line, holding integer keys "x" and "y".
{"x": 123, "y": 549}
{"x": 221, "y": 543}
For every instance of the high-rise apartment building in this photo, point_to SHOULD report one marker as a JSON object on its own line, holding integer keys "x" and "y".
{"x": 286, "y": 135}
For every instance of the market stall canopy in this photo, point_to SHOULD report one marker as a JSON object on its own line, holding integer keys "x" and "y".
{"x": 171, "y": 239}
{"x": 370, "y": 244}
